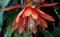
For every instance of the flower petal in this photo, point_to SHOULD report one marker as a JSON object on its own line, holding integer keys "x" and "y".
{"x": 12, "y": 7}
{"x": 42, "y": 22}
{"x": 31, "y": 22}
{"x": 27, "y": 11}
{"x": 21, "y": 29}
{"x": 17, "y": 20}
{"x": 47, "y": 5}
{"x": 34, "y": 29}
{"x": 19, "y": 15}
{"x": 22, "y": 26}
{"x": 46, "y": 16}
{"x": 16, "y": 24}
{"x": 34, "y": 14}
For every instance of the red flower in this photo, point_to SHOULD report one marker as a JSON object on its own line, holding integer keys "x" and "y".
{"x": 30, "y": 17}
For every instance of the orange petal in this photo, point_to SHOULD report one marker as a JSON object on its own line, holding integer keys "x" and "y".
{"x": 19, "y": 15}
{"x": 33, "y": 6}
{"x": 16, "y": 24}
{"x": 34, "y": 14}
{"x": 21, "y": 29}
{"x": 22, "y": 26}
{"x": 46, "y": 16}
{"x": 42, "y": 22}
{"x": 27, "y": 11}
{"x": 12, "y": 7}
{"x": 34, "y": 30}
{"x": 47, "y": 5}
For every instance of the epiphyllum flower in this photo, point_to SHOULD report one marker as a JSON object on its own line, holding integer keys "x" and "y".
{"x": 30, "y": 17}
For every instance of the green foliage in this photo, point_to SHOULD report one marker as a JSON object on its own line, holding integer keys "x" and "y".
{"x": 2, "y": 5}
{"x": 55, "y": 9}
{"x": 16, "y": 34}
{"x": 8, "y": 31}
{"x": 44, "y": 32}
{"x": 56, "y": 32}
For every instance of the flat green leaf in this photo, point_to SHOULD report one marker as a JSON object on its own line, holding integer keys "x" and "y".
{"x": 1, "y": 17}
{"x": 16, "y": 34}
{"x": 57, "y": 13}
{"x": 56, "y": 32}
{"x": 24, "y": 34}
{"x": 46, "y": 33}
{"x": 0, "y": 1}
{"x": 57, "y": 7}
{"x": 8, "y": 31}
{"x": 11, "y": 15}
{"x": 5, "y": 3}
{"x": 0, "y": 30}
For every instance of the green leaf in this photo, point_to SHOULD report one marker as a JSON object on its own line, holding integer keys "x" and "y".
{"x": 46, "y": 33}
{"x": 2, "y": 5}
{"x": 57, "y": 7}
{"x": 11, "y": 15}
{"x": 0, "y": 1}
{"x": 57, "y": 13}
{"x": 1, "y": 17}
{"x": 8, "y": 31}
{"x": 16, "y": 34}
{"x": 56, "y": 32}
{"x": 0, "y": 30}
{"x": 5, "y": 3}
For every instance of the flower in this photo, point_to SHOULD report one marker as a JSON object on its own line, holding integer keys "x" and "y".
{"x": 30, "y": 17}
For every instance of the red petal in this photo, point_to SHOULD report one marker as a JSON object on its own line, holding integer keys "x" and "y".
{"x": 19, "y": 15}
{"x": 27, "y": 11}
{"x": 21, "y": 29}
{"x": 47, "y": 5}
{"x": 34, "y": 14}
{"x": 33, "y": 6}
{"x": 12, "y": 7}
{"x": 16, "y": 24}
{"x": 34, "y": 30}
{"x": 46, "y": 16}
{"x": 42, "y": 23}
{"x": 22, "y": 26}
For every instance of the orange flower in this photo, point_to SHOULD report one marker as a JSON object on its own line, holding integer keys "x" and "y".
{"x": 29, "y": 16}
